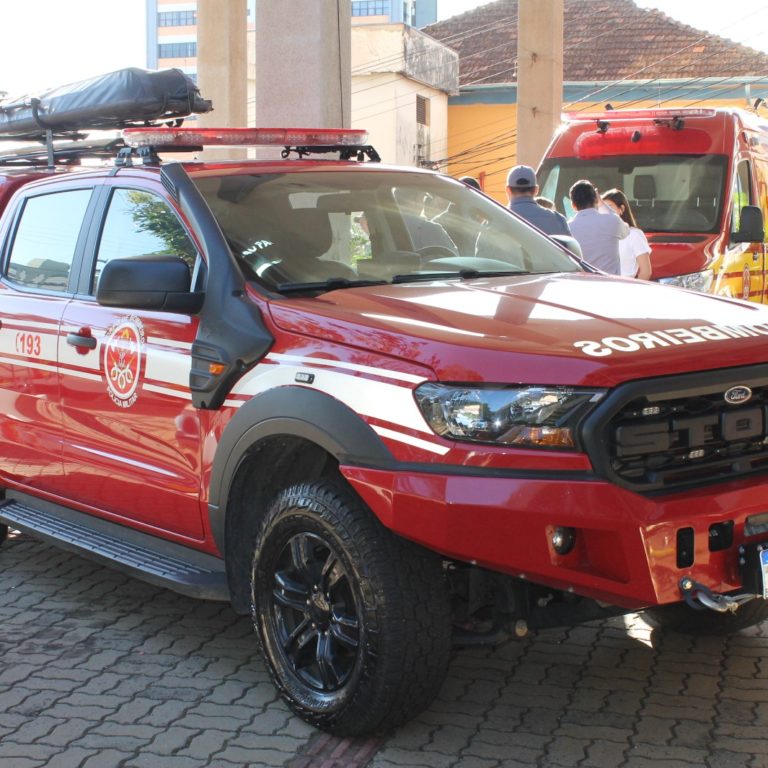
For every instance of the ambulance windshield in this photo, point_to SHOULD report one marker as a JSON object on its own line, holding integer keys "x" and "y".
{"x": 668, "y": 193}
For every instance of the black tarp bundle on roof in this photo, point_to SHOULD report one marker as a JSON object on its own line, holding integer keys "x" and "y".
{"x": 130, "y": 96}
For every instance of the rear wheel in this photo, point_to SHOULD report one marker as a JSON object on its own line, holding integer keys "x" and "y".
{"x": 354, "y": 622}
{"x": 680, "y": 617}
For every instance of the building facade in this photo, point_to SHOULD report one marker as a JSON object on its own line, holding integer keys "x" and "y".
{"x": 172, "y": 26}
{"x": 401, "y": 78}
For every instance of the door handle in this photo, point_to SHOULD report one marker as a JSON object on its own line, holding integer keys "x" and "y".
{"x": 76, "y": 340}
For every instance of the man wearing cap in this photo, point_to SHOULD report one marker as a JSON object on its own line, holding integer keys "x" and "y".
{"x": 521, "y": 188}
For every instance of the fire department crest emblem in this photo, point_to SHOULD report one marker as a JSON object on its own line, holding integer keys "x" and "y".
{"x": 123, "y": 348}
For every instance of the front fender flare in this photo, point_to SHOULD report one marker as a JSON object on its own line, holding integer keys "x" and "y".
{"x": 297, "y": 412}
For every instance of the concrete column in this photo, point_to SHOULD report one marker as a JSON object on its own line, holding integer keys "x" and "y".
{"x": 539, "y": 76}
{"x": 221, "y": 61}
{"x": 303, "y": 64}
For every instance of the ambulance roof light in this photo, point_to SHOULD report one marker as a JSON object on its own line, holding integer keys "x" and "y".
{"x": 638, "y": 114}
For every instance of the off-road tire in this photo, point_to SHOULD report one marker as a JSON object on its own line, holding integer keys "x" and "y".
{"x": 680, "y": 617}
{"x": 379, "y": 655}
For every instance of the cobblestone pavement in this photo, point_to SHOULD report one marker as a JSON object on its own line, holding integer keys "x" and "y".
{"x": 102, "y": 671}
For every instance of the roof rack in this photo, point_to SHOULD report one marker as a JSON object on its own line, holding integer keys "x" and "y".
{"x": 127, "y": 97}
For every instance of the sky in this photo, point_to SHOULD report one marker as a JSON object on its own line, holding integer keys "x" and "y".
{"x": 44, "y": 48}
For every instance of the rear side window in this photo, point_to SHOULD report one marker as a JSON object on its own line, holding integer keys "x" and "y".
{"x": 44, "y": 245}
{"x": 140, "y": 223}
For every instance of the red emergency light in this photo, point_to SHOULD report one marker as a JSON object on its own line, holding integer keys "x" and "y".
{"x": 639, "y": 114}
{"x": 243, "y": 137}
{"x": 650, "y": 140}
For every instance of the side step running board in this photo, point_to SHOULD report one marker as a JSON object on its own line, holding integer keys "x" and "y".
{"x": 138, "y": 554}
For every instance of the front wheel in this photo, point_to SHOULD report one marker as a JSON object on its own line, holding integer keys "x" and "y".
{"x": 680, "y": 617}
{"x": 353, "y": 621}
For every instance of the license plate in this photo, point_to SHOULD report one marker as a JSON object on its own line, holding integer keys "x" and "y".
{"x": 754, "y": 568}
{"x": 764, "y": 572}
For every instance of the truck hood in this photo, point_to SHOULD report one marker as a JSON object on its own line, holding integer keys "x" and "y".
{"x": 565, "y": 329}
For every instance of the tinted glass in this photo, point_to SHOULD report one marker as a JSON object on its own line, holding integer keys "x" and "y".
{"x": 286, "y": 229}
{"x": 44, "y": 245}
{"x": 139, "y": 223}
{"x": 669, "y": 193}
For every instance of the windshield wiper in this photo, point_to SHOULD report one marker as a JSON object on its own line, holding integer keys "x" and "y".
{"x": 461, "y": 274}
{"x": 332, "y": 284}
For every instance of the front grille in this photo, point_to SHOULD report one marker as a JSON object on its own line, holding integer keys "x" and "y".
{"x": 664, "y": 434}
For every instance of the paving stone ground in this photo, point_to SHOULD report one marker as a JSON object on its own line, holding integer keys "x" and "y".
{"x": 102, "y": 671}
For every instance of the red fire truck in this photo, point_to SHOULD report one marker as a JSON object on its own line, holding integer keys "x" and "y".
{"x": 694, "y": 179}
{"x": 277, "y": 383}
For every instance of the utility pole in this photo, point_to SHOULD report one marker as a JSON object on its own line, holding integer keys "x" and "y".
{"x": 221, "y": 60}
{"x": 539, "y": 76}
{"x": 303, "y": 63}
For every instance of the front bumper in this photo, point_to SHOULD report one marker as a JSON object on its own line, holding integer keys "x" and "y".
{"x": 628, "y": 546}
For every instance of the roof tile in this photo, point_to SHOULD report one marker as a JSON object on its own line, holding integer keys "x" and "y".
{"x": 600, "y": 43}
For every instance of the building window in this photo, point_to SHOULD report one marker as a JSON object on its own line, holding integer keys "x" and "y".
{"x": 370, "y": 7}
{"x": 177, "y": 19}
{"x": 422, "y": 110}
{"x": 176, "y": 50}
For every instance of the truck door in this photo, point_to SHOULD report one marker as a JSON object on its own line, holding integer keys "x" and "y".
{"x": 744, "y": 263}
{"x": 35, "y": 286}
{"x": 132, "y": 435}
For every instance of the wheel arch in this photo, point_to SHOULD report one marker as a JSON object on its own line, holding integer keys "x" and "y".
{"x": 276, "y": 439}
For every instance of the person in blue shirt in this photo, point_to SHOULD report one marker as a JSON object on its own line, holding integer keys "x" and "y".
{"x": 521, "y": 189}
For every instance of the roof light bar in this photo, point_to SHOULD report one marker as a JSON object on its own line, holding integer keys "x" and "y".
{"x": 634, "y": 114}
{"x": 243, "y": 137}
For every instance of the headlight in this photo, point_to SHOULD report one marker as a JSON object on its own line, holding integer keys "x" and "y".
{"x": 693, "y": 281}
{"x": 528, "y": 417}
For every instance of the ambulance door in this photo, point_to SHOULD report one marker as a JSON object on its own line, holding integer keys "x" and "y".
{"x": 760, "y": 169}
{"x": 745, "y": 262}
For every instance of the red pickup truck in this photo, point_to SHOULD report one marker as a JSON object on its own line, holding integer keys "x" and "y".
{"x": 278, "y": 383}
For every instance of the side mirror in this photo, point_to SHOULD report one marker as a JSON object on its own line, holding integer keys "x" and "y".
{"x": 148, "y": 282}
{"x": 751, "y": 229}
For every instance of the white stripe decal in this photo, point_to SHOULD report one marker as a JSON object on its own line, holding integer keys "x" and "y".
{"x": 414, "y": 441}
{"x": 28, "y": 364}
{"x": 160, "y": 341}
{"x": 169, "y": 392}
{"x": 81, "y": 374}
{"x": 118, "y": 458}
{"x": 384, "y": 373}
{"x": 390, "y": 403}
{"x": 168, "y": 366}
{"x": 24, "y": 324}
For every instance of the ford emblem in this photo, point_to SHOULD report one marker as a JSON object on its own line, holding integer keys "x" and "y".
{"x": 738, "y": 394}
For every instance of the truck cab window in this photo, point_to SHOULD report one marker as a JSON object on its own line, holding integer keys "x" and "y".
{"x": 139, "y": 223}
{"x": 46, "y": 237}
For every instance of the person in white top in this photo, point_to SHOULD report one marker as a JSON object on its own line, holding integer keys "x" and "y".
{"x": 634, "y": 251}
{"x": 596, "y": 227}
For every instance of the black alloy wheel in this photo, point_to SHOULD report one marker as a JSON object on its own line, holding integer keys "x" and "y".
{"x": 353, "y": 621}
{"x": 314, "y": 613}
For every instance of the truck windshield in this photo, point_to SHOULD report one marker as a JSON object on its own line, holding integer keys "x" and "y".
{"x": 668, "y": 193}
{"x": 342, "y": 228}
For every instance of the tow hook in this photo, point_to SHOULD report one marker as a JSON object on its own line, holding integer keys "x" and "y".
{"x": 699, "y": 597}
